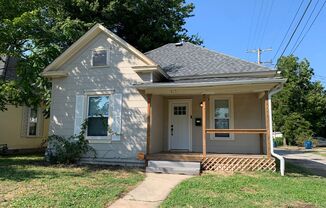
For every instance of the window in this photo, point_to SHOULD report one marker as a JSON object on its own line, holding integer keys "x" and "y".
{"x": 221, "y": 116}
{"x": 180, "y": 110}
{"x": 98, "y": 115}
{"x": 32, "y": 122}
{"x": 99, "y": 58}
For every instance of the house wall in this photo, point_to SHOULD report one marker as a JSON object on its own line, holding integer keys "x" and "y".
{"x": 12, "y": 132}
{"x": 247, "y": 114}
{"x": 117, "y": 76}
{"x": 157, "y": 124}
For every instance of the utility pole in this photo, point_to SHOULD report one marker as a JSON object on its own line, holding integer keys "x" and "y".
{"x": 259, "y": 51}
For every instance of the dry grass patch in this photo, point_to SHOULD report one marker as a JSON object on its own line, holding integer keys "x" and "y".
{"x": 26, "y": 181}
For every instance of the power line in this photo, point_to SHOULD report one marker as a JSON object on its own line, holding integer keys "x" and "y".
{"x": 304, "y": 27}
{"x": 269, "y": 12}
{"x": 251, "y": 24}
{"x": 258, "y": 22}
{"x": 304, "y": 13}
{"x": 288, "y": 30}
{"x": 309, "y": 27}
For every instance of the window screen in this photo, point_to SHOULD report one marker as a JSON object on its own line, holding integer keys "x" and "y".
{"x": 99, "y": 58}
{"x": 222, "y": 116}
{"x": 98, "y": 114}
{"x": 32, "y": 122}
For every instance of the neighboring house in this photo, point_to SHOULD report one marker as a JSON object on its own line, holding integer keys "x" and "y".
{"x": 179, "y": 102}
{"x": 21, "y": 128}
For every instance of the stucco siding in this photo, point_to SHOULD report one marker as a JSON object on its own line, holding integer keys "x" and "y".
{"x": 11, "y": 130}
{"x": 119, "y": 77}
{"x": 157, "y": 124}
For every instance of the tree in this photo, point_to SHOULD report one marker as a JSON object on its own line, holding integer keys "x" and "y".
{"x": 37, "y": 31}
{"x": 300, "y": 99}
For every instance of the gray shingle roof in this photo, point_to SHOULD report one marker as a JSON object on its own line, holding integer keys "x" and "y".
{"x": 8, "y": 68}
{"x": 192, "y": 60}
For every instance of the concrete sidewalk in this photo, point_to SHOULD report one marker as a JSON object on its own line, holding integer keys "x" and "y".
{"x": 151, "y": 192}
{"x": 316, "y": 164}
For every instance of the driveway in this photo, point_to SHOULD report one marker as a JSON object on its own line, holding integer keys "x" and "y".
{"x": 315, "y": 163}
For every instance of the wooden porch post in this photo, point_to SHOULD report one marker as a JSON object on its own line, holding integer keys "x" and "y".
{"x": 148, "y": 133}
{"x": 268, "y": 142}
{"x": 204, "y": 125}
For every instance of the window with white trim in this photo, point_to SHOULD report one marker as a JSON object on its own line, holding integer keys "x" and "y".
{"x": 100, "y": 57}
{"x": 98, "y": 116}
{"x": 221, "y": 115}
{"x": 32, "y": 122}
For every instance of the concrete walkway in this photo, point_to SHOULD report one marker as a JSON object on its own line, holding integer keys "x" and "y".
{"x": 316, "y": 164}
{"x": 151, "y": 192}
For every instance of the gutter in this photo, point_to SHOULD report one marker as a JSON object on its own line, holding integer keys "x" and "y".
{"x": 270, "y": 94}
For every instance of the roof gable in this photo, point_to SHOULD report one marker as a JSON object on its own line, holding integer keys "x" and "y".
{"x": 84, "y": 40}
{"x": 187, "y": 59}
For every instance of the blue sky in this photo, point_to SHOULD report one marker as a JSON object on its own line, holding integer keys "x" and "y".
{"x": 233, "y": 26}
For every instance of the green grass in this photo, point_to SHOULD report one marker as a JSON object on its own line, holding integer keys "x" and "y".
{"x": 297, "y": 189}
{"x": 26, "y": 181}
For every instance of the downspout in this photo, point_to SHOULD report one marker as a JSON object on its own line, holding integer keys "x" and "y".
{"x": 270, "y": 94}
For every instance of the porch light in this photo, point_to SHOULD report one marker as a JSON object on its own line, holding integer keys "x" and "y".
{"x": 201, "y": 104}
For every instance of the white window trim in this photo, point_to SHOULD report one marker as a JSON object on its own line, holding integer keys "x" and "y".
{"x": 97, "y": 139}
{"x": 107, "y": 57}
{"x": 28, "y": 122}
{"x": 212, "y": 110}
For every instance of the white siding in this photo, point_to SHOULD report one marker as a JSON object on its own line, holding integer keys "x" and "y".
{"x": 119, "y": 76}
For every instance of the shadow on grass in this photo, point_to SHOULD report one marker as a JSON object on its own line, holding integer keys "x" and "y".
{"x": 27, "y": 167}
{"x": 294, "y": 170}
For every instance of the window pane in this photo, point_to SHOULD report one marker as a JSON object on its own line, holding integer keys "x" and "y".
{"x": 97, "y": 126}
{"x": 221, "y": 109}
{"x": 32, "y": 129}
{"x": 33, "y": 115}
{"x": 222, "y": 124}
{"x": 98, "y": 106}
{"x": 99, "y": 58}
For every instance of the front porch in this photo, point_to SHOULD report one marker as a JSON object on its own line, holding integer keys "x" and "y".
{"x": 224, "y": 128}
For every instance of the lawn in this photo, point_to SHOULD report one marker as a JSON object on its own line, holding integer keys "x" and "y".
{"x": 27, "y": 181}
{"x": 297, "y": 189}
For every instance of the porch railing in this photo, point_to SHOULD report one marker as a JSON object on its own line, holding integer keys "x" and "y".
{"x": 236, "y": 131}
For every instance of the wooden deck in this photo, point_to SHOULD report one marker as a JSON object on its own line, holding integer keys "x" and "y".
{"x": 220, "y": 162}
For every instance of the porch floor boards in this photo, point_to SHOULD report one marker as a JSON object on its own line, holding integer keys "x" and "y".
{"x": 195, "y": 156}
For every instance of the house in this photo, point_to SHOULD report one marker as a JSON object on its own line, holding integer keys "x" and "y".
{"x": 22, "y": 128}
{"x": 179, "y": 102}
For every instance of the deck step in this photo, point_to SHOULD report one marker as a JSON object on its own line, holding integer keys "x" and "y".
{"x": 173, "y": 167}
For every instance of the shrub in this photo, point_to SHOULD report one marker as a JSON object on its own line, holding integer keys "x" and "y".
{"x": 296, "y": 129}
{"x": 68, "y": 150}
{"x": 278, "y": 141}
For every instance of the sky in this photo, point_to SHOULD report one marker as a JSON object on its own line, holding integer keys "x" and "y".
{"x": 235, "y": 26}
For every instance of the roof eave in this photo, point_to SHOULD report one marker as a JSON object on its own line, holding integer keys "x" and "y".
{"x": 207, "y": 84}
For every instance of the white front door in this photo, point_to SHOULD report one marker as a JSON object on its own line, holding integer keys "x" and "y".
{"x": 180, "y": 125}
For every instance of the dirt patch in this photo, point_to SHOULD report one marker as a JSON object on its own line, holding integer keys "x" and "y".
{"x": 299, "y": 205}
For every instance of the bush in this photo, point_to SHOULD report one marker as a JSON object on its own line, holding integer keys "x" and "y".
{"x": 296, "y": 129}
{"x": 278, "y": 141}
{"x": 68, "y": 150}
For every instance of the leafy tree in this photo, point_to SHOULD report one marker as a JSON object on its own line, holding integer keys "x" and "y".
{"x": 296, "y": 129}
{"x": 300, "y": 99}
{"x": 37, "y": 31}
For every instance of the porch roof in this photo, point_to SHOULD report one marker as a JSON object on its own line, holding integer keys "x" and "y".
{"x": 212, "y": 85}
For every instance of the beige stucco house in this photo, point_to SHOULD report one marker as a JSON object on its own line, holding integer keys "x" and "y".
{"x": 179, "y": 102}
